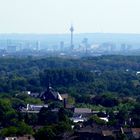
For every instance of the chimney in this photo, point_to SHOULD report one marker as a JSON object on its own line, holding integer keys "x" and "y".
{"x": 65, "y": 102}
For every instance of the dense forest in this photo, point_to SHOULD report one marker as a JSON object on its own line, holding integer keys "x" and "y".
{"x": 85, "y": 76}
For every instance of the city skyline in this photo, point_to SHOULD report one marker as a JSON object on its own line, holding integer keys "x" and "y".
{"x": 87, "y": 16}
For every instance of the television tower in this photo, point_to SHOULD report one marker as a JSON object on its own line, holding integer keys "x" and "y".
{"x": 71, "y": 30}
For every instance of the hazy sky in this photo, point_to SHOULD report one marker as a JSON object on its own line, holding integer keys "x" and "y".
{"x": 55, "y": 16}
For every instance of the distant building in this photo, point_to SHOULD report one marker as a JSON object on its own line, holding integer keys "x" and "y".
{"x": 11, "y": 49}
{"x": 86, "y": 45}
{"x": 123, "y": 47}
{"x": 37, "y": 46}
{"x": 62, "y": 46}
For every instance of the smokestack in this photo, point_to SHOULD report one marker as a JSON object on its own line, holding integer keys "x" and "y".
{"x": 65, "y": 102}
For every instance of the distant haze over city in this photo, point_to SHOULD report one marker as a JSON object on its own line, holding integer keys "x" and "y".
{"x": 92, "y": 37}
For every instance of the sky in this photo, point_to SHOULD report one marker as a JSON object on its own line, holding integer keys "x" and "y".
{"x": 56, "y": 16}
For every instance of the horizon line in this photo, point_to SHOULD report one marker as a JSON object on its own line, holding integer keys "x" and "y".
{"x": 76, "y": 33}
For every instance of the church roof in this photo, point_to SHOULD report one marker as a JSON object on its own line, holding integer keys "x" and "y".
{"x": 50, "y": 93}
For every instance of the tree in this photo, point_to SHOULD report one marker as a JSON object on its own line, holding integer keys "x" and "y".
{"x": 46, "y": 116}
{"x": 17, "y": 104}
{"x": 63, "y": 114}
{"x": 105, "y": 100}
{"x": 6, "y": 112}
{"x": 9, "y": 131}
{"x": 45, "y": 133}
{"x": 24, "y": 129}
{"x": 96, "y": 119}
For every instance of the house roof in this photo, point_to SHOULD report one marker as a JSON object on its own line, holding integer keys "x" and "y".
{"x": 45, "y": 105}
{"x": 50, "y": 90}
{"x": 104, "y": 119}
{"x": 69, "y": 106}
{"x": 107, "y": 133}
{"x": 82, "y": 110}
{"x": 126, "y": 130}
{"x": 64, "y": 96}
{"x": 59, "y": 97}
{"x": 77, "y": 119}
{"x": 89, "y": 129}
{"x": 10, "y": 138}
{"x": 26, "y": 137}
{"x": 98, "y": 129}
{"x": 34, "y": 94}
{"x": 136, "y": 132}
{"x": 35, "y": 107}
{"x": 55, "y": 110}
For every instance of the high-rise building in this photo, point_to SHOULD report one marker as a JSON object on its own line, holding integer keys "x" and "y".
{"x": 37, "y": 45}
{"x": 123, "y": 47}
{"x": 11, "y": 49}
{"x": 85, "y": 42}
{"x": 62, "y": 46}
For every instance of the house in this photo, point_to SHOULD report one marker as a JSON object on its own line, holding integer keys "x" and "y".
{"x": 81, "y": 114}
{"x": 55, "y": 110}
{"x": 98, "y": 132}
{"x": 103, "y": 116}
{"x": 88, "y": 133}
{"x": 34, "y": 94}
{"x": 85, "y": 112}
{"x": 26, "y": 137}
{"x": 109, "y": 135}
{"x": 31, "y": 107}
{"x": 104, "y": 119}
{"x": 78, "y": 119}
{"x": 138, "y": 72}
{"x": 131, "y": 133}
{"x": 64, "y": 96}
{"x": 106, "y": 133}
{"x": 10, "y": 138}
{"x": 136, "y": 133}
